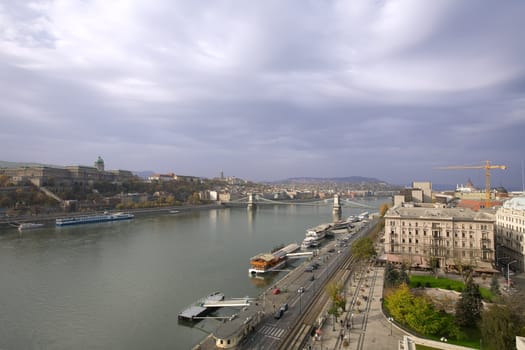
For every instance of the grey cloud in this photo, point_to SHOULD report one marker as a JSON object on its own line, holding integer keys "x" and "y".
{"x": 265, "y": 90}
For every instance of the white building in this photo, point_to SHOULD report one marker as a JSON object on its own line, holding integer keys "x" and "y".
{"x": 510, "y": 229}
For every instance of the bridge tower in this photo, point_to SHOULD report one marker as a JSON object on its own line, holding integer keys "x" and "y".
{"x": 336, "y": 209}
{"x": 251, "y": 201}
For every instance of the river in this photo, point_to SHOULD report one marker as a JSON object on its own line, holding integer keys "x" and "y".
{"x": 121, "y": 285}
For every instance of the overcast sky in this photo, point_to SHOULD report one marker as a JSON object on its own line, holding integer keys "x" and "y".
{"x": 266, "y": 90}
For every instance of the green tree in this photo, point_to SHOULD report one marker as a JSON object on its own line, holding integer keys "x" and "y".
{"x": 334, "y": 291}
{"x": 494, "y": 285}
{"x": 500, "y": 324}
{"x": 393, "y": 277}
{"x": 469, "y": 306}
{"x": 418, "y": 313}
{"x": 363, "y": 248}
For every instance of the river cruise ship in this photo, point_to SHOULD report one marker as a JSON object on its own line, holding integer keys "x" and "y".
{"x": 265, "y": 262}
{"x": 90, "y": 219}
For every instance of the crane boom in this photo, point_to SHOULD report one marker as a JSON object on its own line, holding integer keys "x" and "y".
{"x": 487, "y": 168}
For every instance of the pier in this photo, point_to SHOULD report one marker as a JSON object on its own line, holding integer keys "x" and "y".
{"x": 235, "y": 302}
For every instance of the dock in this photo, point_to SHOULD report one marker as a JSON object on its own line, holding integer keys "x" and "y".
{"x": 211, "y": 302}
{"x": 239, "y": 302}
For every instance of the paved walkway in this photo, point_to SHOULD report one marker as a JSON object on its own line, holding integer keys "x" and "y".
{"x": 365, "y": 326}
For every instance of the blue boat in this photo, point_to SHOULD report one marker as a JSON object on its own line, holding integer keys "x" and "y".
{"x": 90, "y": 219}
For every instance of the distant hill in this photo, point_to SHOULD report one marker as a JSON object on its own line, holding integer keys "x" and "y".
{"x": 342, "y": 180}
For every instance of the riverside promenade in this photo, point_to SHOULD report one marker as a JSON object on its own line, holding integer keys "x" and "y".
{"x": 364, "y": 325}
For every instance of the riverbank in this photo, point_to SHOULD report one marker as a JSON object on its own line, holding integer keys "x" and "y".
{"x": 50, "y": 218}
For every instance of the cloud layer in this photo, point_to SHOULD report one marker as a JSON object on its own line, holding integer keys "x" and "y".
{"x": 266, "y": 90}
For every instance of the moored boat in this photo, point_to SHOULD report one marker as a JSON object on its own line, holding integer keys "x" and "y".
{"x": 89, "y": 219}
{"x": 265, "y": 262}
{"x": 28, "y": 226}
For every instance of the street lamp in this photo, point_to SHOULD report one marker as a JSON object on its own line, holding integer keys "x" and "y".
{"x": 390, "y": 319}
{"x": 508, "y": 274}
{"x": 300, "y": 300}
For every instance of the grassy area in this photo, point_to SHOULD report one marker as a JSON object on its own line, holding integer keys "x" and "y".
{"x": 472, "y": 337}
{"x": 444, "y": 283}
{"x": 423, "y": 347}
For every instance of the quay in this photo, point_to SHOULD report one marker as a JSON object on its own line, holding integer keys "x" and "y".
{"x": 271, "y": 317}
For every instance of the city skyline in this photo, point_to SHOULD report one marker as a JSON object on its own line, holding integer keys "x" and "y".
{"x": 267, "y": 91}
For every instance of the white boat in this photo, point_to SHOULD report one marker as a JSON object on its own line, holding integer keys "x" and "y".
{"x": 308, "y": 242}
{"x": 89, "y": 219}
{"x": 28, "y": 226}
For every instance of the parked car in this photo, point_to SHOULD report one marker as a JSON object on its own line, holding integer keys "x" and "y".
{"x": 276, "y": 291}
{"x": 278, "y": 314}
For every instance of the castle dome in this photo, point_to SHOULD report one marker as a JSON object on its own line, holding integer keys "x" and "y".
{"x": 99, "y": 164}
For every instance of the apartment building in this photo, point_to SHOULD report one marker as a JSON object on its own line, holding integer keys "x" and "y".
{"x": 446, "y": 237}
{"x": 510, "y": 229}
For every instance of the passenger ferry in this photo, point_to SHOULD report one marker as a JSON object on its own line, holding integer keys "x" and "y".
{"x": 89, "y": 219}
{"x": 265, "y": 262}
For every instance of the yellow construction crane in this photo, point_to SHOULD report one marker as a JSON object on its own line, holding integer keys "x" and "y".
{"x": 487, "y": 168}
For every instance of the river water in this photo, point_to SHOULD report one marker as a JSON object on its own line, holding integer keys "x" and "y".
{"x": 121, "y": 285}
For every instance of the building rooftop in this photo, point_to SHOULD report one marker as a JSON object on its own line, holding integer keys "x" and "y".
{"x": 439, "y": 213}
{"x": 229, "y": 328}
{"x": 517, "y": 203}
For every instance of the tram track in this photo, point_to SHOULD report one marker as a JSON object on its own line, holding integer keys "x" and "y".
{"x": 298, "y": 335}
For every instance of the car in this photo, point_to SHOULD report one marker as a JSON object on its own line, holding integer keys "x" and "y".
{"x": 284, "y": 307}
{"x": 331, "y": 250}
{"x": 276, "y": 291}
{"x": 308, "y": 269}
{"x": 300, "y": 290}
{"x": 278, "y": 314}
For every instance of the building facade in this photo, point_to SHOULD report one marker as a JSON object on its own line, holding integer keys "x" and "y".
{"x": 49, "y": 175}
{"x": 510, "y": 229}
{"x": 446, "y": 238}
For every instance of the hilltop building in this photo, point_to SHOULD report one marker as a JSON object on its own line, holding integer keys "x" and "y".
{"x": 82, "y": 175}
{"x": 510, "y": 230}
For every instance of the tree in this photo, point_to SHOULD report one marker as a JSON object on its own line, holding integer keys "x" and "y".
{"x": 500, "y": 324}
{"x": 418, "y": 313}
{"x": 383, "y": 209}
{"x": 363, "y": 249}
{"x": 494, "y": 285}
{"x": 393, "y": 277}
{"x": 469, "y": 306}
{"x": 334, "y": 291}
